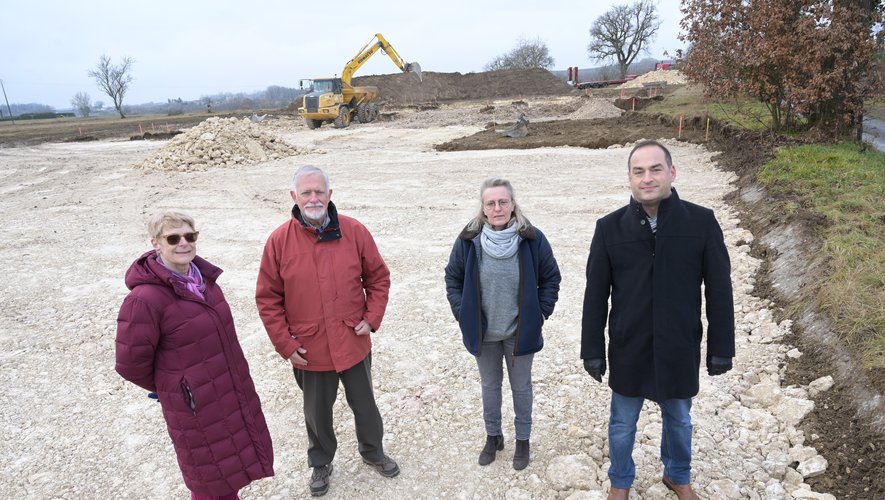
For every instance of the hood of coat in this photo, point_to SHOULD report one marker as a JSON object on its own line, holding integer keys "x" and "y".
{"x": 148, "y": 270}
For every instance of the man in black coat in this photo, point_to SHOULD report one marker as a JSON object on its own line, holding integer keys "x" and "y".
{"x": 651, "y": 257}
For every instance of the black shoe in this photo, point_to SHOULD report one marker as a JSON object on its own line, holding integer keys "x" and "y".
{"x": 319, "y": 480}
{"x": 386, "y": 467}
{"x": 493, "y": 445}
{"x": 521, "y": 455}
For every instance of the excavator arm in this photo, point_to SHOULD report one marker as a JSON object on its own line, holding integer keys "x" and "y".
{"x": 380, "y": 43}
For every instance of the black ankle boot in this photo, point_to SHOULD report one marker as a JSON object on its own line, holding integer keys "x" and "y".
{"x": 521, "y": 455}
{"x": 493, "y": 444}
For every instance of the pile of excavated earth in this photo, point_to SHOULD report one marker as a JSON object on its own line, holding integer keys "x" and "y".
{"x": 405, "y": 88}
{"x": 219, "y": 142}
{"x": 667, "y": 76}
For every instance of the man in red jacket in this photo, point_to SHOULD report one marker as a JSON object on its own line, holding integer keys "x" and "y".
{"x": 322, "y": 289}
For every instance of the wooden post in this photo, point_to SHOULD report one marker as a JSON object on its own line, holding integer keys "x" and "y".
{"x": 634, "y": 104}
{"x": 707, "y": 133}
{"x": 680, "y": 127}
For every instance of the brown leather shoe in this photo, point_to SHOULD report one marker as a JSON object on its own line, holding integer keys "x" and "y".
{"x": 618, "y": 493}
{"x": 683, "y": 491}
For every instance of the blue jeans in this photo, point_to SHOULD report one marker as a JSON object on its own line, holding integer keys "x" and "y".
{"x": 675, "y": 439}
{"x": 491, "y": 356}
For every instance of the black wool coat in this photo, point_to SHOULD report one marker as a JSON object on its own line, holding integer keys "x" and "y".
{"x": 654, "y": 281}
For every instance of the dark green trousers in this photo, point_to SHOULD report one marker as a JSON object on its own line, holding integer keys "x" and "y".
{"x": 320, "y": 390}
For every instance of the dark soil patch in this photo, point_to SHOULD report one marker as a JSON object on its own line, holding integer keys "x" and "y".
{"x": 155, "y": 136}
{"x": 595, "y": 134}
{"x": 636, "y": 103}
{"x": 853, "y": 448}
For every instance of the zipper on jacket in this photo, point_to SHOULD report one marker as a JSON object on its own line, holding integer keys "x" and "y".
{"x": 188, "y": 396}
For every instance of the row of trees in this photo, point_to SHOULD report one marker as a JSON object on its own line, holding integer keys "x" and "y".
{"x": 114, "y": 81}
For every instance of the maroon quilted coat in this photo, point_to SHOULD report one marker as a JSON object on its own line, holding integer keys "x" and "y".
{"x": 186, "y": 350}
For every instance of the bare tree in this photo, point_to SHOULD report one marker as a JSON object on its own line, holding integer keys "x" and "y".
{"x": 113, "y": 79}
{"x": 623, "y": 33}
{"x": 527, "y": 54}
{"x": 82, "y": 103}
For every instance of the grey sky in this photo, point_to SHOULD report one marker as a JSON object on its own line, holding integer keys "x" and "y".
{"x": 191, "y": 48}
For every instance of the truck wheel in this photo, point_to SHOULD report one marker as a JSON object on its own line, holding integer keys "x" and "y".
{"x": 363, "y": 113}
{"x": 312, "y": 124}
{"x": 373, "y": 111}
{"x": 343, "y": 119}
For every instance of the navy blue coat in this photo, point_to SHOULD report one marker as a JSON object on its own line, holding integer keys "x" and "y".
{"x": 654, "y": 281}
{"x": 538, "y": 290}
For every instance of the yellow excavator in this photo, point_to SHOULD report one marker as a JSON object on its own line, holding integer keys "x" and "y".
{"x": 336, "y": 101}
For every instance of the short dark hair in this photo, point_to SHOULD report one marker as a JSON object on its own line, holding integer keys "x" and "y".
{"x": 644, "y": 144}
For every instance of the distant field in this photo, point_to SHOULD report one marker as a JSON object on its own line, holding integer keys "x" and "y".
{"x": 31, "y": 132}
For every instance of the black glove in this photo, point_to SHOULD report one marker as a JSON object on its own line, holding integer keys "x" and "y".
{"x": 717, "y": 365}
{"x": 595, "y": 367}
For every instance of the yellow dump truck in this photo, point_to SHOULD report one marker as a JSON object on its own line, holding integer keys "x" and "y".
{"x": 336, "y": 101}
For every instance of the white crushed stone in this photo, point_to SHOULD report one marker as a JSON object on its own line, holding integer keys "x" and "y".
{"x": 596, "y": 108}
{"x": 71, "y": 427}
{"x": 669, "y": 76}
{"x": 219, "y": 142}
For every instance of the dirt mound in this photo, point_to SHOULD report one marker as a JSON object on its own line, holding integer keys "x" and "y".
{"x": 404, "y": 88}
{"x": 668, "y": 76}
{"x": 219, "y": 142}
{"x": 595, "y": 108}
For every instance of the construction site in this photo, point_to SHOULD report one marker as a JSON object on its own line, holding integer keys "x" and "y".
{"x": 76, "y": 199}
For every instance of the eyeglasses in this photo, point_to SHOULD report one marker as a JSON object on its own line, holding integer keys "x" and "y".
{"x": 491, "y": 204}
{"x": 174, "y": 239}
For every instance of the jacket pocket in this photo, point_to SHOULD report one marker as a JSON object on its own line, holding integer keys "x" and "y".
{"x": 188, "y": 395}
{"x": 299, "y": 330}
{"x": 353, "y": 318}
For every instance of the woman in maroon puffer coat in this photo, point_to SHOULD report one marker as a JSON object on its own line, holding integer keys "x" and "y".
{"x": 176, "y": 337}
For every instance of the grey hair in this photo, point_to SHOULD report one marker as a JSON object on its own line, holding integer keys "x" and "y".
{"x": 645, "y": 144}
{"x": 308, "y": 170}
{"x": 168, "y": 218}
{"x": 476, "y": 224}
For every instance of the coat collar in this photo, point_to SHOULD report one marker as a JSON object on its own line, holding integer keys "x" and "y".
{"x": 331, "y": 232}
{"x": 666, "y": 204}
{"x": 147, "y": 269}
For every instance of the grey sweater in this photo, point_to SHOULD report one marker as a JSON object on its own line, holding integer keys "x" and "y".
{"x": 499, "y": 288}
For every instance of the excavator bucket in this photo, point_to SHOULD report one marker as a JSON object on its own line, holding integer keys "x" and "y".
{"x": 414, "y": 67}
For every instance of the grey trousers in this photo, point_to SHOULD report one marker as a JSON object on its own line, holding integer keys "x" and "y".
{"x": 320, "y": 390}
{"x": 492, "y": 356}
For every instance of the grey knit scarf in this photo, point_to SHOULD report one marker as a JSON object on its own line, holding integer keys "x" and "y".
{"x": 500, "y": 244}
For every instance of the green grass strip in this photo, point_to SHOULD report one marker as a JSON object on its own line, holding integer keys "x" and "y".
{"x": 847, "y": 187}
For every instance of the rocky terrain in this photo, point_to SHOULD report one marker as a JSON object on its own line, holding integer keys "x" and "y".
{"x": 71, "y": 428}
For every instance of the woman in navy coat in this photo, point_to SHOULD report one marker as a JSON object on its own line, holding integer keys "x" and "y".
{"x": 502, "y": 282}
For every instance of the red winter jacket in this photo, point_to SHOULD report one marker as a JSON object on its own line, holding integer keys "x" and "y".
{"x": 313, "y": 289}
{"x": 186, "y": 350}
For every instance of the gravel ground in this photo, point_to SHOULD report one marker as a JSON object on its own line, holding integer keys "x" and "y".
{"x": 72, "y": 220}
